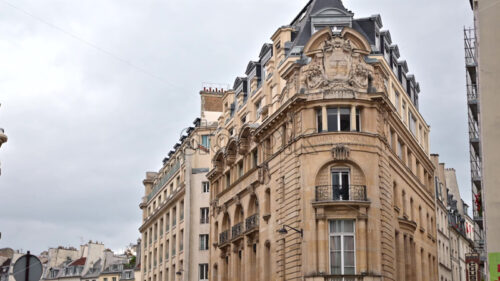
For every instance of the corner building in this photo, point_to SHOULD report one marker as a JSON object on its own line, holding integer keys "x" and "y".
{"x": 321, "y": 168}
{"x": 175, "y": 228}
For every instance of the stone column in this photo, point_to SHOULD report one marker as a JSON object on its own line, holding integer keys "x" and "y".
{"x": 362, "y": 242}
{"x": 322, "y": 246}
{"x": 407, "y": 258}
{"x": 353, "y": 118}
{"x": 324, "y": 118}
{"x": 401, "y": 262}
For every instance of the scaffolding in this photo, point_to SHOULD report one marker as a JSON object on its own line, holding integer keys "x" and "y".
{"x": 471, "y": 65}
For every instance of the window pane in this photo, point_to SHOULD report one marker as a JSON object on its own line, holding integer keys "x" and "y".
{"x": 335, "y": 242}
{"x": 349, "y": 226}
{"x": 319, "y": 120}
{"x": 358, "y": 120}
{"x": 348, "y": 243}
{"x": 332, "y": 119}
{"x": 336, "y": 263}
{"x": 345, "y": 119}
{"x": 349, "y": 259}
{"x": 349, "y": 270}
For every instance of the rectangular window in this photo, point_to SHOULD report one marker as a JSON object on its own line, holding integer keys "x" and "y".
{"x": 258, "y": 109}
{"x": 204, "y": 242}
{"x": 332, "y": 114}
{"x": 174, "y": 217}
{"x": 345, "y": 119}
{"x": 358, "y": 120}
{"x": 203, "y": 269}
{"x": 228, "y": 179}
{"x": 340, "y": 184}
{"x": 205, "y": 186}
{"x": 342, "y": 247}
{"x": 114, "y": 278}
{"x": 319, "y": 120}
{"x": 400, "y": 150}
{"x": 205, "y": 141}
{"x": 413, "y": 123}
{"x": 255, "y": 158}
{"x": 173, "y": 245}
{"x": 240, "y": 169}
{"x": 403, "y": 113}
{"x": 204, "y": 215}
{"x": 339, "y": 119}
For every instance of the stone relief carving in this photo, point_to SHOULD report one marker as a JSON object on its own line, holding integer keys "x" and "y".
{"x": 341, "y": 152}
{"x": 380, "y": 82}
{"x": 337, "y": 66}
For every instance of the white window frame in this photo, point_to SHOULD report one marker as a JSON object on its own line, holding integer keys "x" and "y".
{"x": 204, "y": 241}
{"x": 207, "y": 137}
{"x": 205, "y": 187}
{"x": 203, "y": 272}
{"x": 342, "y": 235}
{"x": 204, "y": 215}
{"x": 339, "y": 108}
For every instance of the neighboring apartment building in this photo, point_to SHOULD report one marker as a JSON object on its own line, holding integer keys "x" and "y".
{"x": 460, "y": 229}
{"x": 3, "y": 139}
{"x": 483, "y": 80}
{"x": 322, "y": 171}
{"x": 175, "y": 229}
{"x": 443, "y": 226}
{"x": 455, "y": 227}
{"x": 85, "y": 264}
{"x": 8, "y": 258}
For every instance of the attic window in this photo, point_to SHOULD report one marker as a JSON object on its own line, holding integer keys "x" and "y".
{"x": 278, "y": 45}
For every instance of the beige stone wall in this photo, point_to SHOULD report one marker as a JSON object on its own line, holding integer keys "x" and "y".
{"x": 488, "y": 16}
{"x": 179, "y": 199}
{"x": 395, "y": 228}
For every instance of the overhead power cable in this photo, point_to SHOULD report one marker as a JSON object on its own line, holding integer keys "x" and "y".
{"x": 90, "y": 44}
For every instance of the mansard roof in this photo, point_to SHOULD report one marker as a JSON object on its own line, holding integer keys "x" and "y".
{"x": 265, "y": 48}
{"x": 250, "y": 66}
{"x": 316, "y": 8}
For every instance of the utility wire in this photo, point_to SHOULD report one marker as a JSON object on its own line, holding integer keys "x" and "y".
{"x": 88, "y": 43}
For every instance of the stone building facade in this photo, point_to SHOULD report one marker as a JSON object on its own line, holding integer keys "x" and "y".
{"x": 321, "y": 170}
{"x": 455, "y": 229}
{"x": 460, "y": 225}
{"x": 482, "y": 77}
{"x": 175, "y": 229}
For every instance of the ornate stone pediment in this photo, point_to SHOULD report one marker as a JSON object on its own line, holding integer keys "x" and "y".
{"x": 336, "y": 66}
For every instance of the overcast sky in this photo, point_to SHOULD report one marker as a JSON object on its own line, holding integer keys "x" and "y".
{"x": 95, "y": 93}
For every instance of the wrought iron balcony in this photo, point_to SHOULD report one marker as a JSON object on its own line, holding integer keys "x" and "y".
{"x": 343, "y": 277}
{"x": 252, "y": 222}
{"x": 236, "y": 230}
{"x": 223, "y": 237}
{"x": 333, "y": 193}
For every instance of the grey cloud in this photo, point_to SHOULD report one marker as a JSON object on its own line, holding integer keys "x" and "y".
{"x": 85, "y": 125}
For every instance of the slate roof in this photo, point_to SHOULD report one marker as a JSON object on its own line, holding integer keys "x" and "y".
{"x": 302, "y": 22}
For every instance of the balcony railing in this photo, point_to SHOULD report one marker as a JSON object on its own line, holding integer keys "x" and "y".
{"x": 343, "y": 278}
{"x": 341, "y": 193}
{"x": 236, "y": 230}
{"x": 223, "y": 237}
{"x": 472, "y": 92}
{"x": 164, "y": 179}
{"x": 252, "y": 222}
